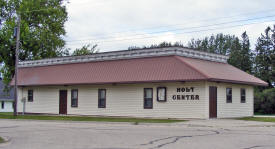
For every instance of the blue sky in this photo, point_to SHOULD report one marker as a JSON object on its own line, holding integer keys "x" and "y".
{"x": 118, "y": 24}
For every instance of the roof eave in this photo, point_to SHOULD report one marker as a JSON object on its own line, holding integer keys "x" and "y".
{"x": 239, "y": 82}
{"x": 120, "y": 82}
{"x": 153, "y": 81}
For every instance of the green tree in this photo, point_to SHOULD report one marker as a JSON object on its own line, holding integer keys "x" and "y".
{"x": 235, "y": 53}
{"x": 239, "y": 51}
{"x": 265, "y": 101}
{"x": 219, "y": 43}
{"x": 265, "y": 57}
{"x": 160, "y": 45}
{"x": 85, "y": 50}
{"x": 246, "y": 61}
{"x": 42, "y": 31}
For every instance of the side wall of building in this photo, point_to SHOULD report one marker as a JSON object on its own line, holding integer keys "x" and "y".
{"x": 121, "y": 100}
{"x": 127, "y": 100}
{"x": 236, "y": 108}
{"x": 8, "y": 106}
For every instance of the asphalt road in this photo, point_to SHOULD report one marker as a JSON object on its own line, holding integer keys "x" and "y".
{"x": 195, "y": 134}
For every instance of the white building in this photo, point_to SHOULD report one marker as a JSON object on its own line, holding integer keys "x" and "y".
{"x": 170, "y": 82}
{"x": 6, "y": 99}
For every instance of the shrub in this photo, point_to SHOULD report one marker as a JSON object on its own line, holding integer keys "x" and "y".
{"x": 264, "y": 102}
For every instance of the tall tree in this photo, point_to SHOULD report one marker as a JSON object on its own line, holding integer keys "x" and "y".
{"x": 85, "y": 50}
{"x": 246, "y": 61}
{"x": 160, "y": 45}
{"x": 219, "y": 43}
{"x": 239, "y": 51}
{"x": 265, "y": 57}
{"x": 42, "y": 31}
{"x": 235, "y": 53}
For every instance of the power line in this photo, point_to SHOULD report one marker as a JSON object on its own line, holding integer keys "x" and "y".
{"x": 188, "y": 28}
{"x": 172, "y": 25}
{"x": 159, "y": 26}
{"x": 188, "y": 32}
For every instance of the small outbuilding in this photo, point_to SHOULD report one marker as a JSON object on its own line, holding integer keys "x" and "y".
{"x": 172, "y": 82}
{"x": 6, "y": 98}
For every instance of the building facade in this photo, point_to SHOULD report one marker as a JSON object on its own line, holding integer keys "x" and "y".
{"x": 6, "y": 99}
{"x": 171, "y": 82}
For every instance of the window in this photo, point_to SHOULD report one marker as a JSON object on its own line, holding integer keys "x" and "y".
{"x": 74, "y": 98}
{"x": 148, "y": 98}
{"x": 228, "y": 95}
{"x": 101, "y": 98}
{"x": 30, "y": 95}
{"x": 2, "y": 104}
{"x": 243, "y": 95}
{"x": 161, "y": 92}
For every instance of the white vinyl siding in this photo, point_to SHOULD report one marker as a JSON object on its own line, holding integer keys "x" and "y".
{"x": 236, "y": 108}
{"x": 7, "y": 106}
{"x": 121, "y": 100}
{"x": 46, "y": 100}
{"x": 127, "y": 100}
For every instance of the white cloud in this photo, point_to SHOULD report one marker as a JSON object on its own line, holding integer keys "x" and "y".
{"x": 97, "y": 19}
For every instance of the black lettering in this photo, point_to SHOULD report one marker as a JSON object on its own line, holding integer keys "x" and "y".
{"x": 182, "y": 97}
{"x": 182, "y": 89}
{"x": 187, "y": 89}
{"x": 192, "y": 88}
{"x": 192, "y": 97}
{"x": 187, "y": 97}
{"x": 178, "y": 97}
{"x": 178, "y": 89}
{"x": 197, "y": 97}
{"x": 174, "y": 97}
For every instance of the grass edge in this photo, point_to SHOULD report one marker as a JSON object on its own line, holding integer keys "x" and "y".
{"x": 89, "y": 118}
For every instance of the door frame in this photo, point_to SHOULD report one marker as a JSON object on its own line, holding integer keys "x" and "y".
{"x": 65, "y": 104}
{"x": 213, "y": 105}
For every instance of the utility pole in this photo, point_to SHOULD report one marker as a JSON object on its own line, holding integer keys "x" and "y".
{"x": 16, "y": 62}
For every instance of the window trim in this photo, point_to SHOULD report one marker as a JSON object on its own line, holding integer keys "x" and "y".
{"x": 30, "y": 99}
{"x": 148, "y": 98}
{"x": 99, "y": 99}
{"x": 74, "y": 106}
{"x": 227, "y": 101}
{"x": 243, "y": 101}
{"x": 3, "y": 105}
{"x": 165, "y": 94}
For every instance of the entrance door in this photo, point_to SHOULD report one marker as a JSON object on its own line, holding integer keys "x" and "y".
{"x": 63, "y": 102}
{"x": 212, "y": 102}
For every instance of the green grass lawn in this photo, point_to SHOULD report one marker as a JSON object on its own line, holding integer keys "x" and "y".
{"x": 86, "y": 118}
{"x": 256, "y": 113}
{"x": 260, "y": 119}
{"x": 2, "y": 140}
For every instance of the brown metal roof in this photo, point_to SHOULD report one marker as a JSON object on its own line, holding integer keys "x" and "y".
{"x": 222, "y": 72}
{"x": 153, "y": 69}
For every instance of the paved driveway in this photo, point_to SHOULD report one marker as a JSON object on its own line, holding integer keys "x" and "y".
{"x": 197, "y": 134}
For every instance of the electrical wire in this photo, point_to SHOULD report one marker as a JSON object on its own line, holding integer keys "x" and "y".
{"x": 173, "y": 25}
{"x": 183, "y": 29}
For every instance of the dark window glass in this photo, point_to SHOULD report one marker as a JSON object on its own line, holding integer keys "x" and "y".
{"x": 30, "y": 95}
{"x": 229, "y": 95}
{"x": 243, "y": 100}
{"x": 102, "y": 98}
{"x": 3, "y": 105}
{"x": 148, "y": 98}
{"x": 74, "y": 98}
{"x": 161, "y": 92}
